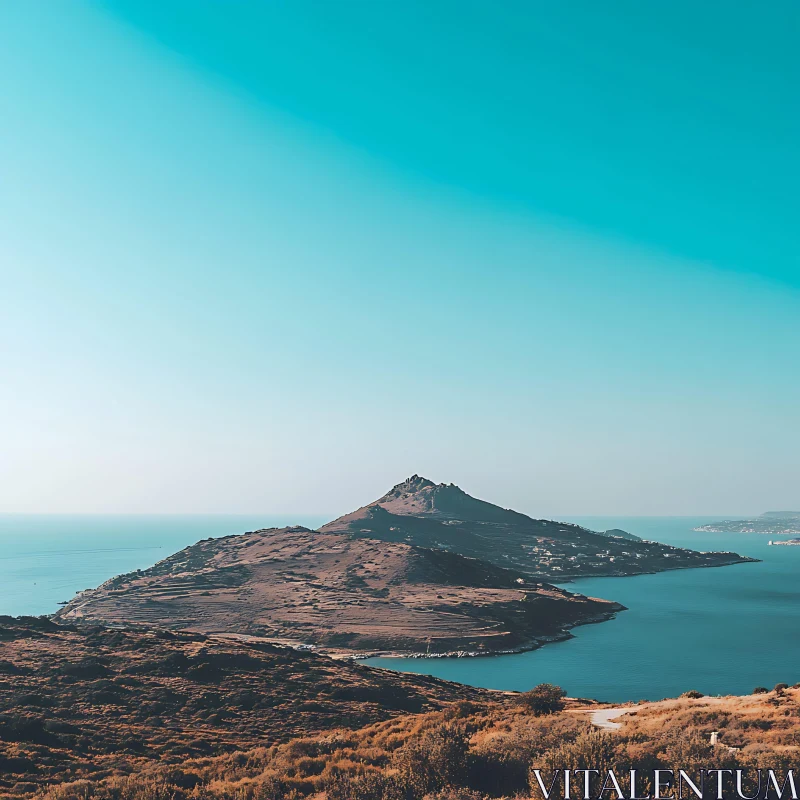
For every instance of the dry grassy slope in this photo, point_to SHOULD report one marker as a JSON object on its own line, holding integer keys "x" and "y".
{"x": 87, "y": 702}
{"x": 423, "y": 513}
{"x": 751, "y": 721}
{"x": 339, "y": 592}
{"x": 501, "y": 742}
{"x": 136, "y": 715}
{"x": 505, "y": 741}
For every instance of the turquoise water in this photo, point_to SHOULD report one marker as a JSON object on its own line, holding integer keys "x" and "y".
{"x": 720, "y": 631}
{"x": 45, "y": 559}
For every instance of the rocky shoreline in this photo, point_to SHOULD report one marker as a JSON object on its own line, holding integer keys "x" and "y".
{"x": 533, "y": 644}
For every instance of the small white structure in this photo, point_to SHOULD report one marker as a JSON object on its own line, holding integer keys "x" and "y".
{"x": 714, "y": 737}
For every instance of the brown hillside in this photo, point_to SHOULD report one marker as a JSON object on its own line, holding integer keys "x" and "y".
{"x": 339, "y": 592}
{"x": 88, "y": 702}
{"x": 478, "y": 750}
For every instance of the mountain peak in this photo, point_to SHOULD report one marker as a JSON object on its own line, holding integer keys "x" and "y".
{"x": 413, "y": 484}
{"x": 419, "y": 496}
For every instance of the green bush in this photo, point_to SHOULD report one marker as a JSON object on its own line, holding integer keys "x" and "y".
{"x": 693, "y": 695}
{"x": 760, "y": 690}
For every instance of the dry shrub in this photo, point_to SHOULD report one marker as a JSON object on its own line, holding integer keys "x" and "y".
{"x": 77, "y": 790}
{"x": 455, "y": 754}
{"x": 462, "y": 709}
{"x": 498, "y": 771}
{"x": 371, "y": 785}
{"x": 501, "y": 755}
{"x": 543, "y": 699}
{"x": 275, "y": 788}
{"x": 435, "y": 760}
{"x": 592, "y": 749}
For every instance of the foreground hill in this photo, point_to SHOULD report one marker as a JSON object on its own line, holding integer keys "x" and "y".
{"x": 94, "y": 714}
{"x": 342, "y": 593}
{"x": 88, "y": 702}
{"x": 443, "y": 516}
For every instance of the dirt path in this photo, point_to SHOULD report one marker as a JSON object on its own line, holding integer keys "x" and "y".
{"x": 603, "y": 717}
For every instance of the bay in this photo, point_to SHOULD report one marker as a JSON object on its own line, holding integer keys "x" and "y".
{"x": 722, "y": 630}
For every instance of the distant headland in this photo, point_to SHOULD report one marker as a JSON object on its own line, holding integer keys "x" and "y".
{"x": 775, "y": 522}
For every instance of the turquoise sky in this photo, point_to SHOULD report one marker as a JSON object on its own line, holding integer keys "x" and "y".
{"x": 276, "y": 256}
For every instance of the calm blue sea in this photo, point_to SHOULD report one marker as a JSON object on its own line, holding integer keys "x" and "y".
{"x": 45, "y": 559}
{"x": 720, "y": 631}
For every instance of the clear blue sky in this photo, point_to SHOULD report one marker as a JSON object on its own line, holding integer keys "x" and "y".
{"x": 276, "y": 256}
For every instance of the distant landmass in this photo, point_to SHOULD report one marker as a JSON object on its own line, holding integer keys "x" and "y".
{"x": 620, "y": 534}
{"x": 776, "y": 522}
{"x": 426, "y": 569}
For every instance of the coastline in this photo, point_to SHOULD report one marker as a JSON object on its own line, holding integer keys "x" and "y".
{"x": 533, "y": 644}
{"x": 341, "y": 654}
{"x": 572, "y": 578}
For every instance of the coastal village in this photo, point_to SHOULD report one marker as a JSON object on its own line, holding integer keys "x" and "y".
{"x": 556, "y": 556}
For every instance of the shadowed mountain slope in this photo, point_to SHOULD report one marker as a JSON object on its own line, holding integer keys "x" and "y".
{"x": 443, "y": 516}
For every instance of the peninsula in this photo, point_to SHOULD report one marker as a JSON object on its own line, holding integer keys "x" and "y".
{"x": 425, "y": 570}
{"x": 775, "y": 522}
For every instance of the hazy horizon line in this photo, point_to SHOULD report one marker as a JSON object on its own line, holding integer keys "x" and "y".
{"x": 629, "y": 515}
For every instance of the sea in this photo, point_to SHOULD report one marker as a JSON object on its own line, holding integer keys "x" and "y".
{"x": 45, "y": 559}
{"x": 719, "y": 631}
